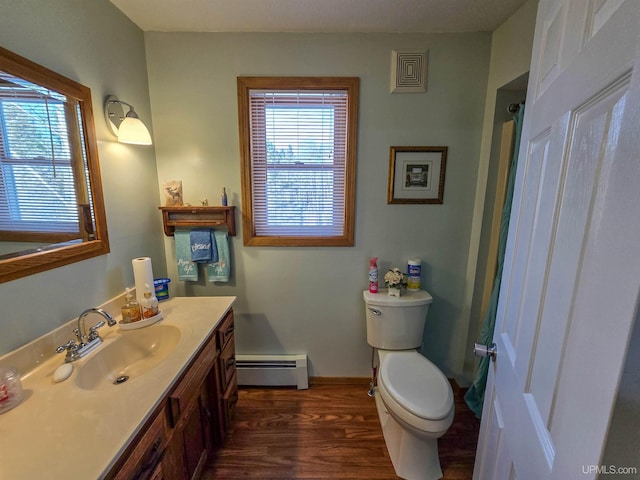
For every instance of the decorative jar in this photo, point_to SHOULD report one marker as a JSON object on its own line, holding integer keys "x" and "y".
{"x": 394, "y": 291}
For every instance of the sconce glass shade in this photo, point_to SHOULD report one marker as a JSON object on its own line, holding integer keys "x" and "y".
{"x": 128, "y": 128}
{"x": 132, "y": 130}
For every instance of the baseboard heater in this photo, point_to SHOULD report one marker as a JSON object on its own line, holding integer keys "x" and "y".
{"x": 273, "y": 370}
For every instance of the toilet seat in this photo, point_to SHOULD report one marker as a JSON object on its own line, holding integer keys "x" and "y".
{"x": 416, "y": 384}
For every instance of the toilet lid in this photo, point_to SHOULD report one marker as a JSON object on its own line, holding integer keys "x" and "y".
{"x": 417, "y": 385}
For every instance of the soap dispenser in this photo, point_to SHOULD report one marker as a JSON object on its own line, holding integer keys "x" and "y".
{"x": 149, "y": 303}
{"x": 131, "y": 309}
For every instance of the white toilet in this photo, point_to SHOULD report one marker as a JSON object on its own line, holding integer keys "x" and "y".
{"x": 413, "y": 397}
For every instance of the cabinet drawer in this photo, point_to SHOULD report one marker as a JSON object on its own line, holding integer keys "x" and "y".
{"x": 190, "y": 385}
{"x": 144, "y": 459}
{"x": 227, "y": 364}
{"x": 225, "y": 330}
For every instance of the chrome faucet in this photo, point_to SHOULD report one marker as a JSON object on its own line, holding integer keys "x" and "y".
{"x": 87, "y": 342}
{"x": 81, "y": 332}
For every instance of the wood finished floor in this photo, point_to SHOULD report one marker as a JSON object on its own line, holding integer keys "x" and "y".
{"x": 329, "y": 432}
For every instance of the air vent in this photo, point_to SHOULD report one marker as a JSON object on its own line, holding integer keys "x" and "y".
{"x": 408, "y": 71}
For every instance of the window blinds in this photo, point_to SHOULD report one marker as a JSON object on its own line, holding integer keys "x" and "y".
{"x": 298, "y": 148}
{"x": 37, "y": 190}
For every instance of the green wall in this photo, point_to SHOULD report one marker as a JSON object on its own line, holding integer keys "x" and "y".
{"x": 290, "y": 300}
{"x": 293, "y": 300}
{"x": 95, "y": 44}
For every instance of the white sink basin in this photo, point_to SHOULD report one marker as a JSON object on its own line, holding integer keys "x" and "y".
{"x": 131, "y": 355}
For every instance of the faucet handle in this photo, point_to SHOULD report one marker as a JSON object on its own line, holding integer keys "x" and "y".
{"x": 97, "y": 326}
{"x": 70, "y": 345}
{"x": 93, "y": 334}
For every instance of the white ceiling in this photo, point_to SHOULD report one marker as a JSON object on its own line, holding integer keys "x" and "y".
{"x": 402, "y": 16}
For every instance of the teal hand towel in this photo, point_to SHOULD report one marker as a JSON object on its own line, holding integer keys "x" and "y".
{"x": 219, "y": 271}
{"x": 187, "y": 270}
{"x": 203, "y": 246}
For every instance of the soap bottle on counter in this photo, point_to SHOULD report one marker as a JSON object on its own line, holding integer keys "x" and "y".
{"x": 149, "y": 303}
{"x": 131, "y": 309}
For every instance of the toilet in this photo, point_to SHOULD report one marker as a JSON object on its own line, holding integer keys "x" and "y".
{"x": 413, "y": 397}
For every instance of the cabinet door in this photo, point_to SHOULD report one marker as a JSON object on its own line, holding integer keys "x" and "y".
{"x": 227, "y": 364}
{"x": 191, "y": 384}
{"x": 189, "y": 416}
{"x": 229, "y": 401}
{"x": 173, "y": 462}
{"x": 194, "y": 437}
{"x": 143, "y": 460}
{"x": 157, "y": 474}
{"x": 213, "y": 405}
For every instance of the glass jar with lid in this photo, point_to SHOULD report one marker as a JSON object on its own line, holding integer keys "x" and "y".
{"x": 10, "y": 388}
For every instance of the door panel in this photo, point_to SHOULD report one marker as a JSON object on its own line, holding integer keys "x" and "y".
{"x": 552, "y": 33}
{"x": 534, "y": 164}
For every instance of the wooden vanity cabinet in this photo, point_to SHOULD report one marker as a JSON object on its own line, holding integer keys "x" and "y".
{"x": 192, "y": 420}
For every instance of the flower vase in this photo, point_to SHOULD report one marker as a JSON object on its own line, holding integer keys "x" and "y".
{"x": 394, "y": 291}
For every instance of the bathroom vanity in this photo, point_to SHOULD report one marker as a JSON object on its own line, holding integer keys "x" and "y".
{"x": 162, "y": 422}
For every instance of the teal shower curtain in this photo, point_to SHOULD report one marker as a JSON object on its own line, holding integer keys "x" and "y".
{"x": 475, "y": 395}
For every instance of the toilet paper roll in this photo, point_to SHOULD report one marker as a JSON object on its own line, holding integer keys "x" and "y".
{"x": 142, "y": 273}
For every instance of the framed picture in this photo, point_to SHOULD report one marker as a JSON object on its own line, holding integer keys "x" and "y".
{"x": 416, "y": 174}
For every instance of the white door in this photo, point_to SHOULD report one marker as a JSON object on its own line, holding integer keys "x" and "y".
{"x": 571, "y": 280}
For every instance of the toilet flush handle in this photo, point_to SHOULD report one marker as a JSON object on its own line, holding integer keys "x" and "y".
{"x": 375, "y": 311}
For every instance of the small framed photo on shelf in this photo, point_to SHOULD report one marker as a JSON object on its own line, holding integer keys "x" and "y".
{"x": 416, "y": 174}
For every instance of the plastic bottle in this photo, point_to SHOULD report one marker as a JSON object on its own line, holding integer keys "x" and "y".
{"x": 149, "y": 303}
{"x": 224, "y": 196}
{"x": 373, "y": 275}
{"x": 131, "y": 308}
{"x": 413, "y": 270}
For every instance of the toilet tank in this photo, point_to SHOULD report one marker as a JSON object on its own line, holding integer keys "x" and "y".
{"x": 396, "y": 323}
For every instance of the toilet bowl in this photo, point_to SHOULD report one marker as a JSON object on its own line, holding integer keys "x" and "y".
{"x": 413, "y": 397}
{"x": 416, "y": 391}
{"x": 414, "y": 401}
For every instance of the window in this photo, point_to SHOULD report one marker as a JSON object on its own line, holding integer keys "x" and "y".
{"x": 37, "y": 188}
{"x": 298, "y": 152}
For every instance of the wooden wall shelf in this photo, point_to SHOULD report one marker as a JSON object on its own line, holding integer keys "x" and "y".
{"x": 191, "y": 217}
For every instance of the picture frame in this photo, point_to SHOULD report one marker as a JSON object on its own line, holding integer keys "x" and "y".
{"x": 416, "y": 175}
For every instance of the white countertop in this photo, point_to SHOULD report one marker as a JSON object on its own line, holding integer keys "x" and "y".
{"x": 63, "y": 431}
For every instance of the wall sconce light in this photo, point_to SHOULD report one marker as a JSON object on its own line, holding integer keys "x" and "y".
{"x": 128, "y": 128}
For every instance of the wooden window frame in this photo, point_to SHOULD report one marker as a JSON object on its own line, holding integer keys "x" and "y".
{"x": 245, "y": 85}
